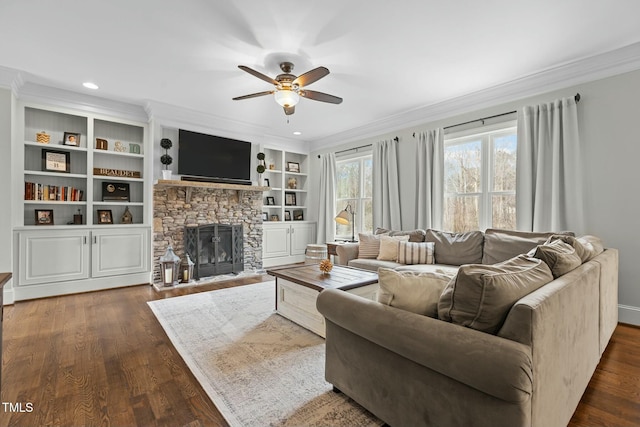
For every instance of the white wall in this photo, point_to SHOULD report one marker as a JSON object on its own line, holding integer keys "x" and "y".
{"x": 6, "y": 259}
{"x": 610, "y": 134}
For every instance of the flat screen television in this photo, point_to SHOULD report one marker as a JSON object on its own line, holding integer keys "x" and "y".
{"x": 203, "y": 157}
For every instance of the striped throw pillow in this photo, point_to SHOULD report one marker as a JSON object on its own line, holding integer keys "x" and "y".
{"x": 369, "y": 246}
{"x": 415, "y": 253}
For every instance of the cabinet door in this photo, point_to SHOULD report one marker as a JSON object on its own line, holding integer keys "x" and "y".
{"x": 53, "y": 256}
{"x": 301, "y": 236}
{"x": 119, "y": 251}
{"x": 275, "y": 240}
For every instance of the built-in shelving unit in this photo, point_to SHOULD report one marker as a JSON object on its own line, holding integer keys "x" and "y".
{"x": 71, "y": 234}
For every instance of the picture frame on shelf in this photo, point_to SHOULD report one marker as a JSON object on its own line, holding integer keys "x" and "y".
{"x": 266, "y": 182}
{"x": 287, "y": 215}
{"x": 115, "y": 192}
{"x": 290, "y": 199}
{"x": 265, "y": 216}
{"x": 105, "y": 216}
{"x": 71, "y": 138}
{"x": 271, "y": 201}
{"x": 293, "y": 167}
{"x": 44, "y": 216}
{"x": 275, "y": 218}
{"x": 56, "y": 161}
{"x": 298, "y": 215}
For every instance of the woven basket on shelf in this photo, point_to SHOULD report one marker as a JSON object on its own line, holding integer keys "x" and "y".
{"x": 43, "y": 137}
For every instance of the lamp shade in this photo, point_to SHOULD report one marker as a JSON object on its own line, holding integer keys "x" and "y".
{"x": 286, "y": 97}
{"x": 343, "y": 218}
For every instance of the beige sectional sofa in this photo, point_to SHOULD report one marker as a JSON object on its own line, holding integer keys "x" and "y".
{"x": 526, "y": 365}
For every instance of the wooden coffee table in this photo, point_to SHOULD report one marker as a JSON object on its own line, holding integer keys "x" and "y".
{"x": 298, "y": 287}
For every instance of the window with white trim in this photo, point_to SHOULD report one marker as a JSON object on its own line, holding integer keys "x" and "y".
{"x": 480, "y": 178}
{"x": 354, "y": 187}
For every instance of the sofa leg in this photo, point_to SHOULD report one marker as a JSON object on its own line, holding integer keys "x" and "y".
{"x": 336, "y": 389}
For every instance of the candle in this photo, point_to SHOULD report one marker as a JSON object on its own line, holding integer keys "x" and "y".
{"x": 185, "y": 275}
{"x": 168, "y": 275}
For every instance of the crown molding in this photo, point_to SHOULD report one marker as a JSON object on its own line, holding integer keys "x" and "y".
{"x": 11, "y": 79}
{"x": 585, "y": 70}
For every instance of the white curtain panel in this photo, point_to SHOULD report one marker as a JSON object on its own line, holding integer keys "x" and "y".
{"x": 386, "y": 188}
{"x": 430, "y": 186}
{"x": 327, "y": 199}
{"x": 549, "y": 191}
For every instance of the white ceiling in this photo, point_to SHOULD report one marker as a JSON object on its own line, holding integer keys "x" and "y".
{"x": 386, "y": 58}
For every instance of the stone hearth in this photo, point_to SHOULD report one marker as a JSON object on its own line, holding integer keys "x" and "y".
{"x": 177, "y": 204}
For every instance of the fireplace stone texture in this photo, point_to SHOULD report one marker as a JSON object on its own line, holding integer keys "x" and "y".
{"x": 172, "y": 213}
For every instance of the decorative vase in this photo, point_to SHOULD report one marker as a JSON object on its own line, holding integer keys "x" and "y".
{"x": 166, "y": 174}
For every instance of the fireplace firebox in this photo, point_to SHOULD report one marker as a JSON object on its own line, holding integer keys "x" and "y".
{"x": 215, "y": 249}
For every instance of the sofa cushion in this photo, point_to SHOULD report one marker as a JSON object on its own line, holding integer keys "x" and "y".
{"x": 480, "y": 296}
{"x": 372, "y": 264}
{"x": 593, "y": 245}
{"x": 415, "y": 292}
{"x": 451, "y": 270}
{"x": 456, "y": 248}
{"x": 389, "y": 247}
{"x": 369, "y": 246}
{"x": 416, "y": 235}
{"x": 415, "y": 253}
{"x": 501, "y": 245}
{"x": 561, "y": 257}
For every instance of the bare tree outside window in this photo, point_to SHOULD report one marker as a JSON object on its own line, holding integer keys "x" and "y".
{"x": 354, "y": 182}
{"x": 480, "y": 181}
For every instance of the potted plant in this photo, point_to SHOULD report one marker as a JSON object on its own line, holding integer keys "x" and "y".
{"x": 261, "y": 168}
{"x": 166, "y": 159}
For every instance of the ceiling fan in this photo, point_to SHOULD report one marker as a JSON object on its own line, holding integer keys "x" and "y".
{"x": 289, "y": 88}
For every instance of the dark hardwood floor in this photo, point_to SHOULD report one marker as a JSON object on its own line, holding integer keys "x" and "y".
{"x": 101, "y": 358}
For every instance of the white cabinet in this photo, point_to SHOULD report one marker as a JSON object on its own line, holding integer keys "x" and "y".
{"x": 119, "y": 251}
{"x": 56, "y": 262}
{"x": 286, "y": 243}
{"x": 71, "y": 194}
{"x": 53, "y": 256}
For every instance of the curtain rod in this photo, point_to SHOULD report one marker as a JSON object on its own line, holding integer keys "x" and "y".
{"x": 395, "y": 138}
{"x": 576, "y": 97}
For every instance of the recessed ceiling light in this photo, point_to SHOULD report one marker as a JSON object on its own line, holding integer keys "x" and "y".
{"x": 90, "y": 85}
{"x": 297, "y": 132}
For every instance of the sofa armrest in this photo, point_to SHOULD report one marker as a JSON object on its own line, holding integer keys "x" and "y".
{"x": 346, "y": 252}
{"x": 493, "y": 365}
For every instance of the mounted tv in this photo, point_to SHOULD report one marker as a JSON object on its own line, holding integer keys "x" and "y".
{"x": 211, "y": 158}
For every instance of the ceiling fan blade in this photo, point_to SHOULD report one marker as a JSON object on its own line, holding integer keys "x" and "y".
{"x": 319, "y": 96}
{"x": 289, "y": 110}
{"x": 258, "y": 74}
{"x": 311, "y": 76}
{"x": 253, "y": 95}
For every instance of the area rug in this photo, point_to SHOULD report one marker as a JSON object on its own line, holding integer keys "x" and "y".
{"x": 258, "y": 368}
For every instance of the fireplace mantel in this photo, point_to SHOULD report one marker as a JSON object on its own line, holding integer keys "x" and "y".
{"x": 189, "y": 185}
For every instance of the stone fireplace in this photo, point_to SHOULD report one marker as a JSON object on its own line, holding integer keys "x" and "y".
{"x": 181, "y": 204}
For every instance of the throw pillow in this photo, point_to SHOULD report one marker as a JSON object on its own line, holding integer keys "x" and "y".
{"x": 416, "y": 235}
{"x": 415, "y": 292}
{"x": 501, "y": 245}
{"x": 559, "y": 256}
{"x": 456, "y": 248}
{"x": 480, "y": 296}
{"x": 369, "y": 246}
{"x": 389, "y": 247}
{"x": 415, "y": 253}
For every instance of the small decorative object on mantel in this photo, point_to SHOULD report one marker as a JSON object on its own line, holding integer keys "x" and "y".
{"x": 102, "y": 144}
{"x": 43, "y": 137}
{"x": 127, "y": 216}
{"x": 166, "y": 159}
{"x": 119, "y": 147}
{"x": 326, "y": 266}
{"x": 260, "y": 168}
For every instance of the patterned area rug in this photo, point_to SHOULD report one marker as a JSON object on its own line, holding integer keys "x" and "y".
{"x": 258, "y": 368}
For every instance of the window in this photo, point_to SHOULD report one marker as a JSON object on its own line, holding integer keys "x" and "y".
{"x": 480, "y": 179}
{"x": 353, "y": 181}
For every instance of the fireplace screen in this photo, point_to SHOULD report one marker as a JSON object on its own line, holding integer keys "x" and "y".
{"x": 215, "y": 249}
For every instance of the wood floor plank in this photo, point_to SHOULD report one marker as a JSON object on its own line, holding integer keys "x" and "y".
{"x": 102, "y": 359}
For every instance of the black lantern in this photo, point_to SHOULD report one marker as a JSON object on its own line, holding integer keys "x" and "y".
{"x": 170, "y": 268}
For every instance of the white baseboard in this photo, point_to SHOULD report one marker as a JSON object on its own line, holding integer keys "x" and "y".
{"x": 629, "y": 314}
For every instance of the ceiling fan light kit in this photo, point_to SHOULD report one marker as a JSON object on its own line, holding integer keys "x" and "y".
{"x": 288, "y": 88}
